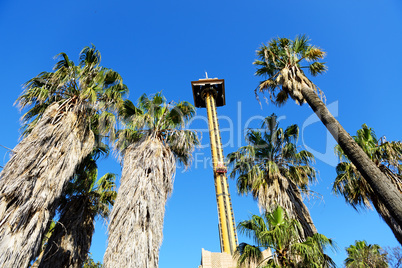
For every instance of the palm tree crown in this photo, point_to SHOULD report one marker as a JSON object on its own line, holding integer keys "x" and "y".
{"x": 363, "y": 255}
{"x": 281, "y": 62}
{"x": 87, "y": 88}
{"x": 275, "y": 171}
{"x": 276, "y": 231}
{"x": 156, "y": 119}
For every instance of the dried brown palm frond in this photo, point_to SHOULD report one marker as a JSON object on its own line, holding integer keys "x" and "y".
{"x": 41, "y": 166}
{"x": 136, "y": 221}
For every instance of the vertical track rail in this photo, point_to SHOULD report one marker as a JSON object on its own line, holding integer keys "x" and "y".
{"x": 227, "y": 226}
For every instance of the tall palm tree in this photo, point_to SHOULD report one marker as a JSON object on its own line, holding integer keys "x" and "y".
{"x": 151, "y": 143}
{"x": 84, "y": 199}
{"x": 64, "y": 107}
{"x": 276, "y": 231}
{"x": 358, "y": 193}
{"x": 363, "y": 255}
{"x": 275, "y": 171}
{"x": 280, "y": 61}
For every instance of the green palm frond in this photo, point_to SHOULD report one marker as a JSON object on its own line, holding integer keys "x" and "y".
{"x": 274, "y": 171}
{"x": 281, "y": 61}
{"x": 317, "y": 68}
{"x": 155, "y": 118}
{"x": 362, "y": 254}
{"x": 274, "y": 230}
{"x": 270, "y": 155}
{"x": 96, "y": 194}
{"x": 350, "y": 183}
{"x": 86, "y": 88}
{"x": 247, "y": 254}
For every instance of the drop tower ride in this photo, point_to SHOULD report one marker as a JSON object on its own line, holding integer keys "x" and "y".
{"x": 210, "y": 93}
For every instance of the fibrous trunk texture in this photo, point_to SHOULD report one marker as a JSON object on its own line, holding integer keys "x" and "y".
{"x": 33, "y": 180}
{"x": 285, "y": 193}
{"x": 69, "y": 244}
{"x": 136, "y": 221}
{"x": 389, "y": 195}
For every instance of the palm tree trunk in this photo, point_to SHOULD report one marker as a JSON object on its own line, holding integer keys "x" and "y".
{"x": 69, "y": 244}
{"x": 387, "y": 192}
{"x": 285, "y": 193}
{"x": 385, "y": 215}
{"x": 136, "y": 224}
{"x": 33, "y": 180}
{"x": 382, "y": 210}
{"x": 302, "y": 212}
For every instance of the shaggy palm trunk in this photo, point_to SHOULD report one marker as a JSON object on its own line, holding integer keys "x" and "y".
{"x": 285, "y": 193}
{"x": 302, "y": 212}
{"x": 136, "y": 221}
{"x": 71, "y": 239}
{"x": 386, "y": 191}
{"x": 33, "y": 180}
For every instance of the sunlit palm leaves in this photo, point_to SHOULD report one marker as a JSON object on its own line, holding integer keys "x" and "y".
{"x": 281, "y": 61}
{"x": 87, "y": 88}
{"x": 275, "y": 171}
{"x": 362, "y": 255}
{"x": 156, "y": 119}
{"x": 274, "y": 230}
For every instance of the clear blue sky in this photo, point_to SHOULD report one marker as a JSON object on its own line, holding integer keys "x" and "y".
{"x": 163, "y": 45}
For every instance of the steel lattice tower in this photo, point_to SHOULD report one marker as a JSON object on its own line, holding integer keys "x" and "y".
{"x": 210, "y": 93}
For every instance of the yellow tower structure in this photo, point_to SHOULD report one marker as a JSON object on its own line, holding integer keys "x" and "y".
{"x": 210, "y": 93}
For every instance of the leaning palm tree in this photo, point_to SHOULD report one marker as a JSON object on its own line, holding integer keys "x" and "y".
{"x": 362, "y": 255}
{"x": 84, "y": 199}
{"x": 275, "y": 171}
{"x": 276, "y": 231}
{"x": 350, "y": 183}
{"x": 64, "y": 107}
{"x": 280, "y": 61}
{"x": 150, "y": 144}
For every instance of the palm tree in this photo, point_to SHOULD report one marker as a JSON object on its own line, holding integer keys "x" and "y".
{"x": 363, "y": 255}
{"x": 276, "y": 231}
{"x": 274, "y": 171}
{"x": 151, "y": 143}
{"x": 65, "y": 106}
{"x": 358, "y": 193}
{"x": 280, "y": 61}
{"x": 84, "y": 200}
